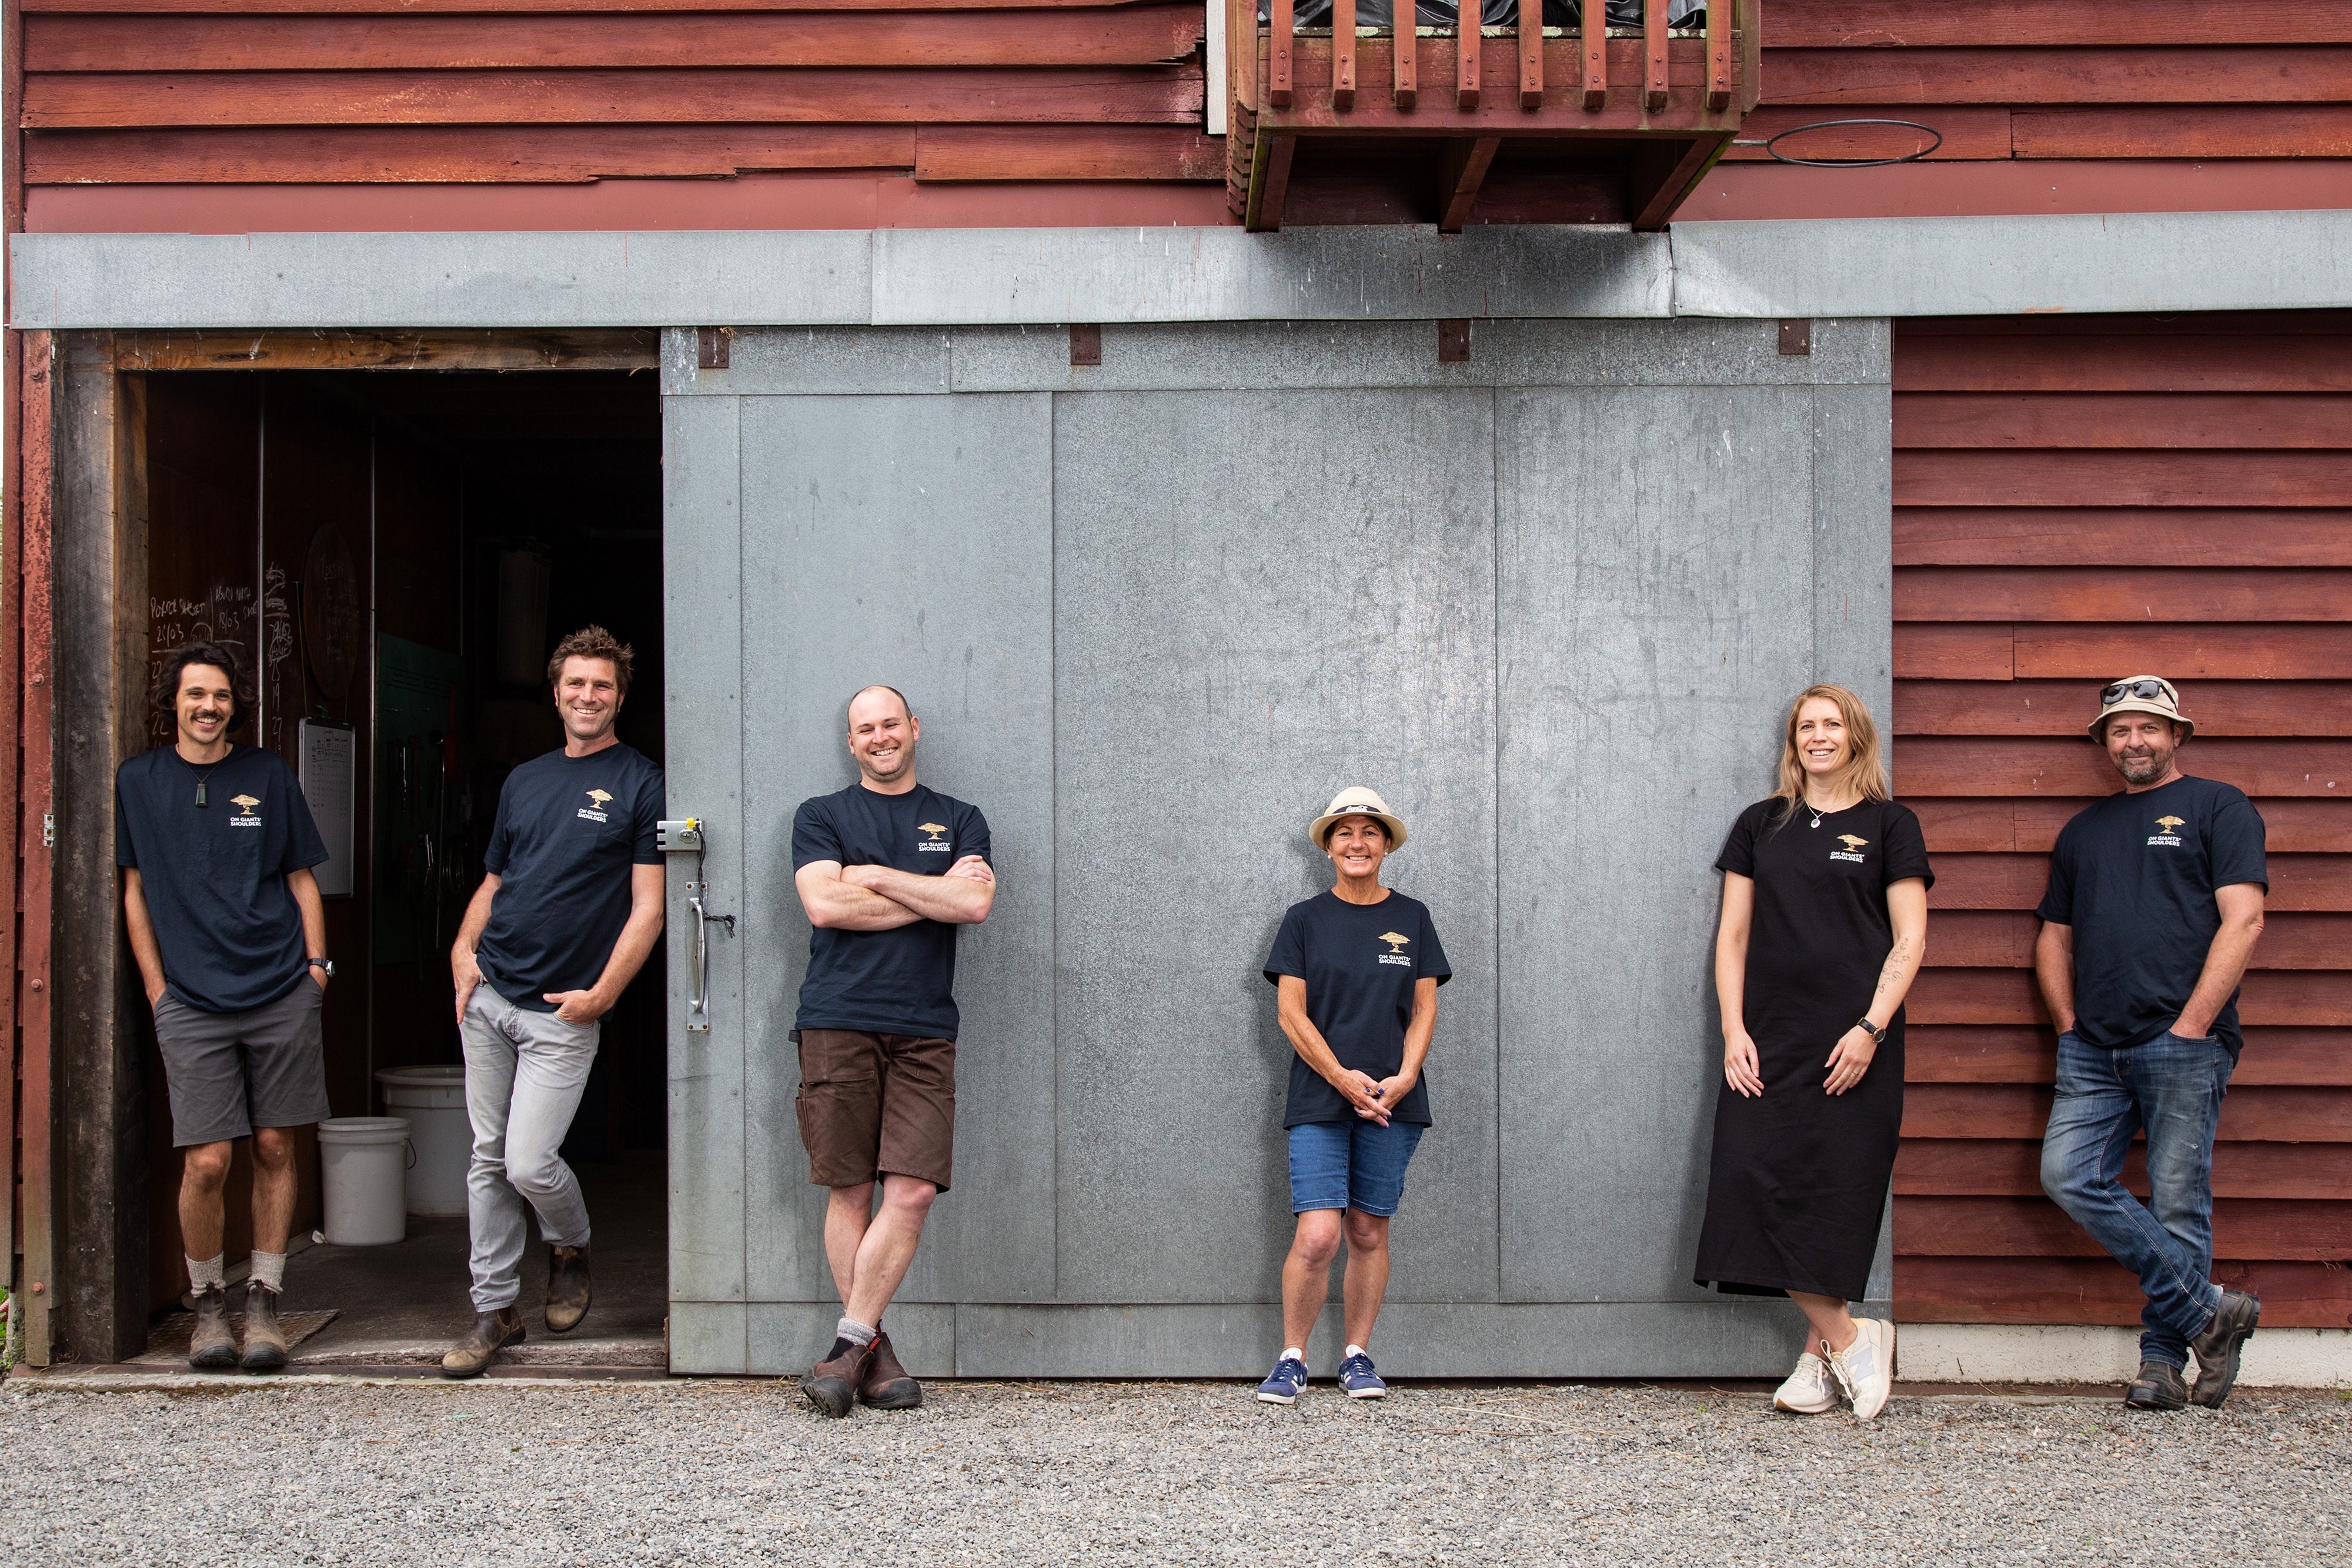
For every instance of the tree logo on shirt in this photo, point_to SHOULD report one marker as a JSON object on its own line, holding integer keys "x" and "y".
{"x": 2167, "y": 831}
{"x": 1852, "y": 851}
{"x": 2170, "y": 824}
{"x": 594, "y": 810}
{"x": 600, "y": 798}
{"x": 245, "y": 804}
{"x": 934, "y": 842}
{"x": 1395, "y": 954}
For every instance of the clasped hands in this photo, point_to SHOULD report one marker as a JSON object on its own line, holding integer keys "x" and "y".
{"x": 1374, "y": 1099}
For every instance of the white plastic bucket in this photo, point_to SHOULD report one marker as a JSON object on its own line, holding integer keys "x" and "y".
{"x": 432, "y": 1099}
{"x": 364, "y": 1160}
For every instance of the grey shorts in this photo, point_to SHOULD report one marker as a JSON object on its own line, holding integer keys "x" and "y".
{"x": 231, "y": 1072}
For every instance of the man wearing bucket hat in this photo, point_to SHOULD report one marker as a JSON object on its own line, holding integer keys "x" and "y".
{"x": 217, "y": 843}
{"x": 1356, "y": 972}
{"x": 2154, "y": 904}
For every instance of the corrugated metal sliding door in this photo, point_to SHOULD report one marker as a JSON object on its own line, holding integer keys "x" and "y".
{"x": 2077, "y": 500}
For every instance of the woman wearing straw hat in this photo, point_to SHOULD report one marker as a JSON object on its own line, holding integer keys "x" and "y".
{"x": 1824, "y": 923}
{"x": 1356, "y": 971}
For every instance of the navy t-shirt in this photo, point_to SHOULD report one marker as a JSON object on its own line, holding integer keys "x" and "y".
{"x": 1361, "y": 962}
{"x": 568, "y": 830}
{"x": 2134, "y": 875}
{"x": 214, "y": 875}
{"x": 900, "y": 981}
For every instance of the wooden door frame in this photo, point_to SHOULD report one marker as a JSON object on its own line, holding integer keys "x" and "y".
{"x": 74, "y": 606}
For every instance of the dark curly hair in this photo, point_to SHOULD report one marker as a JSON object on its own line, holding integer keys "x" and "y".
{"x": 175, "y": 664}
{"x": 592, "y": 642}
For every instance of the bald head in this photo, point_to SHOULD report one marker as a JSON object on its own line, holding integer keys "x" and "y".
{"x": 882, "y": 736}
{"x": 877, "y": 699}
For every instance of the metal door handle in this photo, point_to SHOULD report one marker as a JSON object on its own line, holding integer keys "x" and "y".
{"x": 697, "y": 994}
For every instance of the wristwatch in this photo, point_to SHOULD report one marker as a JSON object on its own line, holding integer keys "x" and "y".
{"x": 326, "y": 964}
{"x": 1877, "y": 1035}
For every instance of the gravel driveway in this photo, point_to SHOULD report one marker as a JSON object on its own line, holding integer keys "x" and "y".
{"x": 729, "y": 1472}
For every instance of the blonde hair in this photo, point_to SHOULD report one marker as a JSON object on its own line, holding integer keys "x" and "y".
{"x": 1865, "y": 765}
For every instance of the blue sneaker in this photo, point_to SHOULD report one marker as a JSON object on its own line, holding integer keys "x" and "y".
{"x": 1356, "y": 1376}
{"x": 1289, "y": 1377}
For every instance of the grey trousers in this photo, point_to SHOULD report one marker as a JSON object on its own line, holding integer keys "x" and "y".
{"x": 524, "y": 1072}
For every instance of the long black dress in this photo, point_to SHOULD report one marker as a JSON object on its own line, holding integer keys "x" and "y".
{"x": 1798, "y": 1176}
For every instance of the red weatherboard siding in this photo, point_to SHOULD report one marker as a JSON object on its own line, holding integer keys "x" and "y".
{"x": 2078, "y": 499}
{"x": 282, "y": 114}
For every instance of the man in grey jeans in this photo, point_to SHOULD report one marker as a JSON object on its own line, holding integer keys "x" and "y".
{"x": 570, "y": 906}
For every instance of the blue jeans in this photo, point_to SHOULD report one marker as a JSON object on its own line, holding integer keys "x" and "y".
{"x": 2171, "y": 1087}
{"x": 1355, "y": 1165}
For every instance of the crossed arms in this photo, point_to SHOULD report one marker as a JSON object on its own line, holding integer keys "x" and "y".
{"x": 882, "y": 898}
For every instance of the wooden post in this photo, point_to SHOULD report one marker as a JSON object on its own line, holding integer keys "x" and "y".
{"x": 1406, "y": 25}
{"x": 1271, "y": 188}
{"x": 1718, "y": 54}
{"x": 1593, "y": 36}
{"x": 1343, "y": 54}
{"x": 1277, "y": 65}
{"x": 98, "y": 535}
{"x": 27, "y": 564}
{"x": 1530, "y": 54}
{"x": 1654, "y": 40}
{"x": 1241, "y": 51}
{"x": 1465, "y": 61}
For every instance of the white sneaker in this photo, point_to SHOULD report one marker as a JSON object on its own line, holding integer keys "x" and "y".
{"x": 1808, "y": 1391}
{"x": 1866, "y": 1369}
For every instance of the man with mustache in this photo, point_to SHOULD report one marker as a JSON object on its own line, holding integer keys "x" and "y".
{"x": 888, "y": 870}
{"x": 217, "y": 843}
{"x": 2154, "y": 904}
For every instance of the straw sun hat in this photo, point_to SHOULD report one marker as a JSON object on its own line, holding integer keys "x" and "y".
{"x": 1358, "y": 803}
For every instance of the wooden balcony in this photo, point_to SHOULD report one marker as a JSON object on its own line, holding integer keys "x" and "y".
{"x": 1521, "y": 124}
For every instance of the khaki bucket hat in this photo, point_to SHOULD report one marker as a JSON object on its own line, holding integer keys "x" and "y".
{"x": 1358, "y": 803}
{"x": 2140, "y": 694}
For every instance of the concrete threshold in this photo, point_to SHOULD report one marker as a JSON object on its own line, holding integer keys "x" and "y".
{"x": 125, "y": 1377}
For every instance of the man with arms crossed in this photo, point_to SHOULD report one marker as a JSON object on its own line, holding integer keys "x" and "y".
{"x": 217, "y": 845}
{"x": 887, "y": 870}
{"x": 570, "y": 905}
{"x": 2155, "y": 901}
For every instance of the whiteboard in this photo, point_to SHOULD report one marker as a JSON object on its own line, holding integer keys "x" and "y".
{"x": 329, "y": 781}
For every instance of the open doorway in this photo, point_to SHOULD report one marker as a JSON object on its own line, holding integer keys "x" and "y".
{"x": 394, "y": 554}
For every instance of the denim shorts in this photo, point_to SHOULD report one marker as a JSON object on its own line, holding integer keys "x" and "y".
{"x": 1353, "y": 1165}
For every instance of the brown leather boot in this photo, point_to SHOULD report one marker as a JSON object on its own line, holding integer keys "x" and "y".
{"x": 491, "y": 1333}
{"x": 831, "y": 1384}
{"x": 568, "y": 1288}
{"x": 265, "y": 1339}
{"x": 887, "y": 1385}
{"x": 212, "y": 1348}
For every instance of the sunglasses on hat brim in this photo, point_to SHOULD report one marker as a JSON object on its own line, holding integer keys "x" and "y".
{"x": 2116, "y": 691}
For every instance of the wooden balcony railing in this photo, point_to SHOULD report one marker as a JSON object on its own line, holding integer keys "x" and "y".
{"x": 1540, "y": 125}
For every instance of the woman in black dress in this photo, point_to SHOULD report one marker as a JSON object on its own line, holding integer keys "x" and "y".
{"x": 1824, "y": 923}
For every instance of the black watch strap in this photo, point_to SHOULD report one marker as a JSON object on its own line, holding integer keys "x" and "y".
{"x": 1877, "y": 1035}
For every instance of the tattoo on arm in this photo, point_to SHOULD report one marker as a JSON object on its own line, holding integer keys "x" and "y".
{"x": 1900, "y": 955}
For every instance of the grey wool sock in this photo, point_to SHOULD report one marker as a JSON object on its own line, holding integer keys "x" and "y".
{"x": 853, "y": 1331}
{"x": 269, "y": 1268}
{"x": 206, "y": 1274}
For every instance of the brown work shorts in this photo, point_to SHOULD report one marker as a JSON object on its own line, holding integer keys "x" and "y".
{"x": 875, "y": 1103}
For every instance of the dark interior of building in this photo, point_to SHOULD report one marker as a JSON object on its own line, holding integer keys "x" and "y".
{"x": 394, "y": 554}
